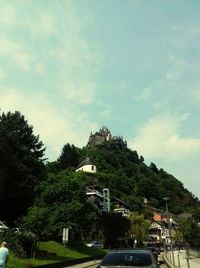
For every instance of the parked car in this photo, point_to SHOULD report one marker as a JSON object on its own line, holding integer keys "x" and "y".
{"x": 94, "y": 244}
{"x": 135, "y": 258}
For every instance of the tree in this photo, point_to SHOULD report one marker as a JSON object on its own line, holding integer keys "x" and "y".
{"x": 139, "y": 227}
{"x": 61, "y": 203}
{"x": 21, "y": 165}
{"x": 154, "y": 168}
{"x": 68, "y": 157}
{"x": 114, "y": 227}
{"x": 188, "y": 231}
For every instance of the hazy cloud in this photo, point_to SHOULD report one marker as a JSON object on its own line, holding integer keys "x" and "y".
{"x": 159, "y": 138}
{"x": 46, "y": 119}
{"x": 145, "y": 94}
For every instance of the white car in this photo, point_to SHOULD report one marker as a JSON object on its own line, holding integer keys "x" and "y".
{"x": 94, "y": 244}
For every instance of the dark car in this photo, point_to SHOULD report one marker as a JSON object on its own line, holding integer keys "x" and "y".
{"x": 136, "y": 258}
{"x": 154, "y": 250}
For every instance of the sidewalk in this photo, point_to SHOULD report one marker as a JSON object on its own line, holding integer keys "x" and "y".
{"x": 181, "y": 261}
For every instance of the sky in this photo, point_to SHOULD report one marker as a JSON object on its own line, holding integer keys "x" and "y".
{"x": 73, "y": 66}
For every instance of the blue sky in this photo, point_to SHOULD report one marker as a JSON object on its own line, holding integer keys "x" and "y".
{"x": 71, "y": 66}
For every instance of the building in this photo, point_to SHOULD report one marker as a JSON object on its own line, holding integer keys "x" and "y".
{"x": 158, "y": 231}
{"x": 99, "y": 137}
{"x": 87, "y": 166}
{"x": 120, "y": 207}
{"x": 104, "y": 135}
{"x": 162, "y": 229}
{"x": 100, "y": 198}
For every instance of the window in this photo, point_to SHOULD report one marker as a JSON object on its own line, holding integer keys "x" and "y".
{"x": 127, "y": 259}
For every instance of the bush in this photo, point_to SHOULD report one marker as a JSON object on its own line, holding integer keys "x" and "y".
{"x": 20, "y": 244}
{"x": 28, "y": 241}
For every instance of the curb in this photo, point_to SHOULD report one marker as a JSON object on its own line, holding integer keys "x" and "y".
{"x": 86, "y": 264}
{"x": 79, "y": 263}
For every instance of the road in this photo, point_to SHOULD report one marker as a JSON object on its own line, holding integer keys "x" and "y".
{"x": 93, "y": 264}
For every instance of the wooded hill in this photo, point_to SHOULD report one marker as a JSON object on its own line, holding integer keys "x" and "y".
{"x": 129, "y": 178}
{"x": 45, "y": 196}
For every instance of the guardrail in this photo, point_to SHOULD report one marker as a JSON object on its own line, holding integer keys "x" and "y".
{"x": 182, "y": 259}
{"x": 194, "y": 253}
{"x": 168, "y": 259}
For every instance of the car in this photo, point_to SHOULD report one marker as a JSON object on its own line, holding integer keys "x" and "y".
{"x": 135, "y": 258}
{"x": 94, "y": 244}
{"x": 154, "y": 246}
{"x": 154, "y": 250}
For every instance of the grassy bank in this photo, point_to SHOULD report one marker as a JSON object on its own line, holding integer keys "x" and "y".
{"x": 51, "y": 252}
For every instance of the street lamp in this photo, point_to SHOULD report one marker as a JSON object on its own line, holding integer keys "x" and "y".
{"x": 166, "y": 199}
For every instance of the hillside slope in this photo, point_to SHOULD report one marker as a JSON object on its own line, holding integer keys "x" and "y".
{"x": 129, "y": 178}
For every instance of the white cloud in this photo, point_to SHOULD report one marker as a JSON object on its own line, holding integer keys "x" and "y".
{"x": 15, "y": 52}
{"x": 46, "y": 25}
{"x": 42, "y": 26}
{"x": 7, "y": 16}
{"x": 183, "y": 34}
{"x": 196, "y": 94}
{"x": 145, "y": 94}
{"x": 82, "y": 92}
{"x": 177, "y": 69}
{"x": 40, "y": 68}
{"x": 159, "y": 139}
{"x": 54, "y": 130}
{"x": 2, "y": 73}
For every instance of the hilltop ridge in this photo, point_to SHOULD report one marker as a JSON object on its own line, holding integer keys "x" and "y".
{"x": 128, "y": 177}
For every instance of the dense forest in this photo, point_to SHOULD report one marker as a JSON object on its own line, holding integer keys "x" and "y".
{"x": 45, "y": 196}
{"x": 130, "y": 179}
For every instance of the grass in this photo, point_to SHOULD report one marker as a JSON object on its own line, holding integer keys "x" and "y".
{"x": 55, "y": 252}
{"x": 14, "y": 262}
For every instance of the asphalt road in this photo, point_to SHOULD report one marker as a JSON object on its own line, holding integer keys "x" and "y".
{"x": 95, "y": 265}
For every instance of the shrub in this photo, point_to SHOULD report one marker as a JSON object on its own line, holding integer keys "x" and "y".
{"x": 20, "y": 244}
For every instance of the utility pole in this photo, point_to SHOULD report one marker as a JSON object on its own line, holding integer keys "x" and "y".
{"x": 166, "y": 199}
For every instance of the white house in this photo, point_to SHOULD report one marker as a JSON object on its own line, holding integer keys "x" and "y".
{"x": 87, "y": 166}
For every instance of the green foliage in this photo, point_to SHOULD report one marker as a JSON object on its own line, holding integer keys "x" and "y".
{"x": 130, "y": 179}
{"x": 114, "y": 227}
{"x": 20, "y": 244}
{"x": 69, "y": 157}
{"x": 54, "y": 252}
{"x": 71, "y": 251}
{"x": 139, "y": 227}
{"x": 55, "y": 198}
{"x": 21, "y": 165}
{"x": 14, "y": 243}
{"x": 61, "y": 203}
{"x": 189, "y": 232}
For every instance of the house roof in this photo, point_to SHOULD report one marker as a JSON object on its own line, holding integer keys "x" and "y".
{"x": 85, "y": 162}
{"x": 115, "y": 200}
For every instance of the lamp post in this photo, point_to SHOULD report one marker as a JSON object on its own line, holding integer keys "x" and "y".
{"x": 166, "y": 199}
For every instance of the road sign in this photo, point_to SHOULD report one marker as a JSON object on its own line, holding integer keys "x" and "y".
{"x": 65, "y": 236}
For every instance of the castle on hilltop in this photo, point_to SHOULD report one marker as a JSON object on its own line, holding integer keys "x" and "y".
{"x": 103, "y": 135}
